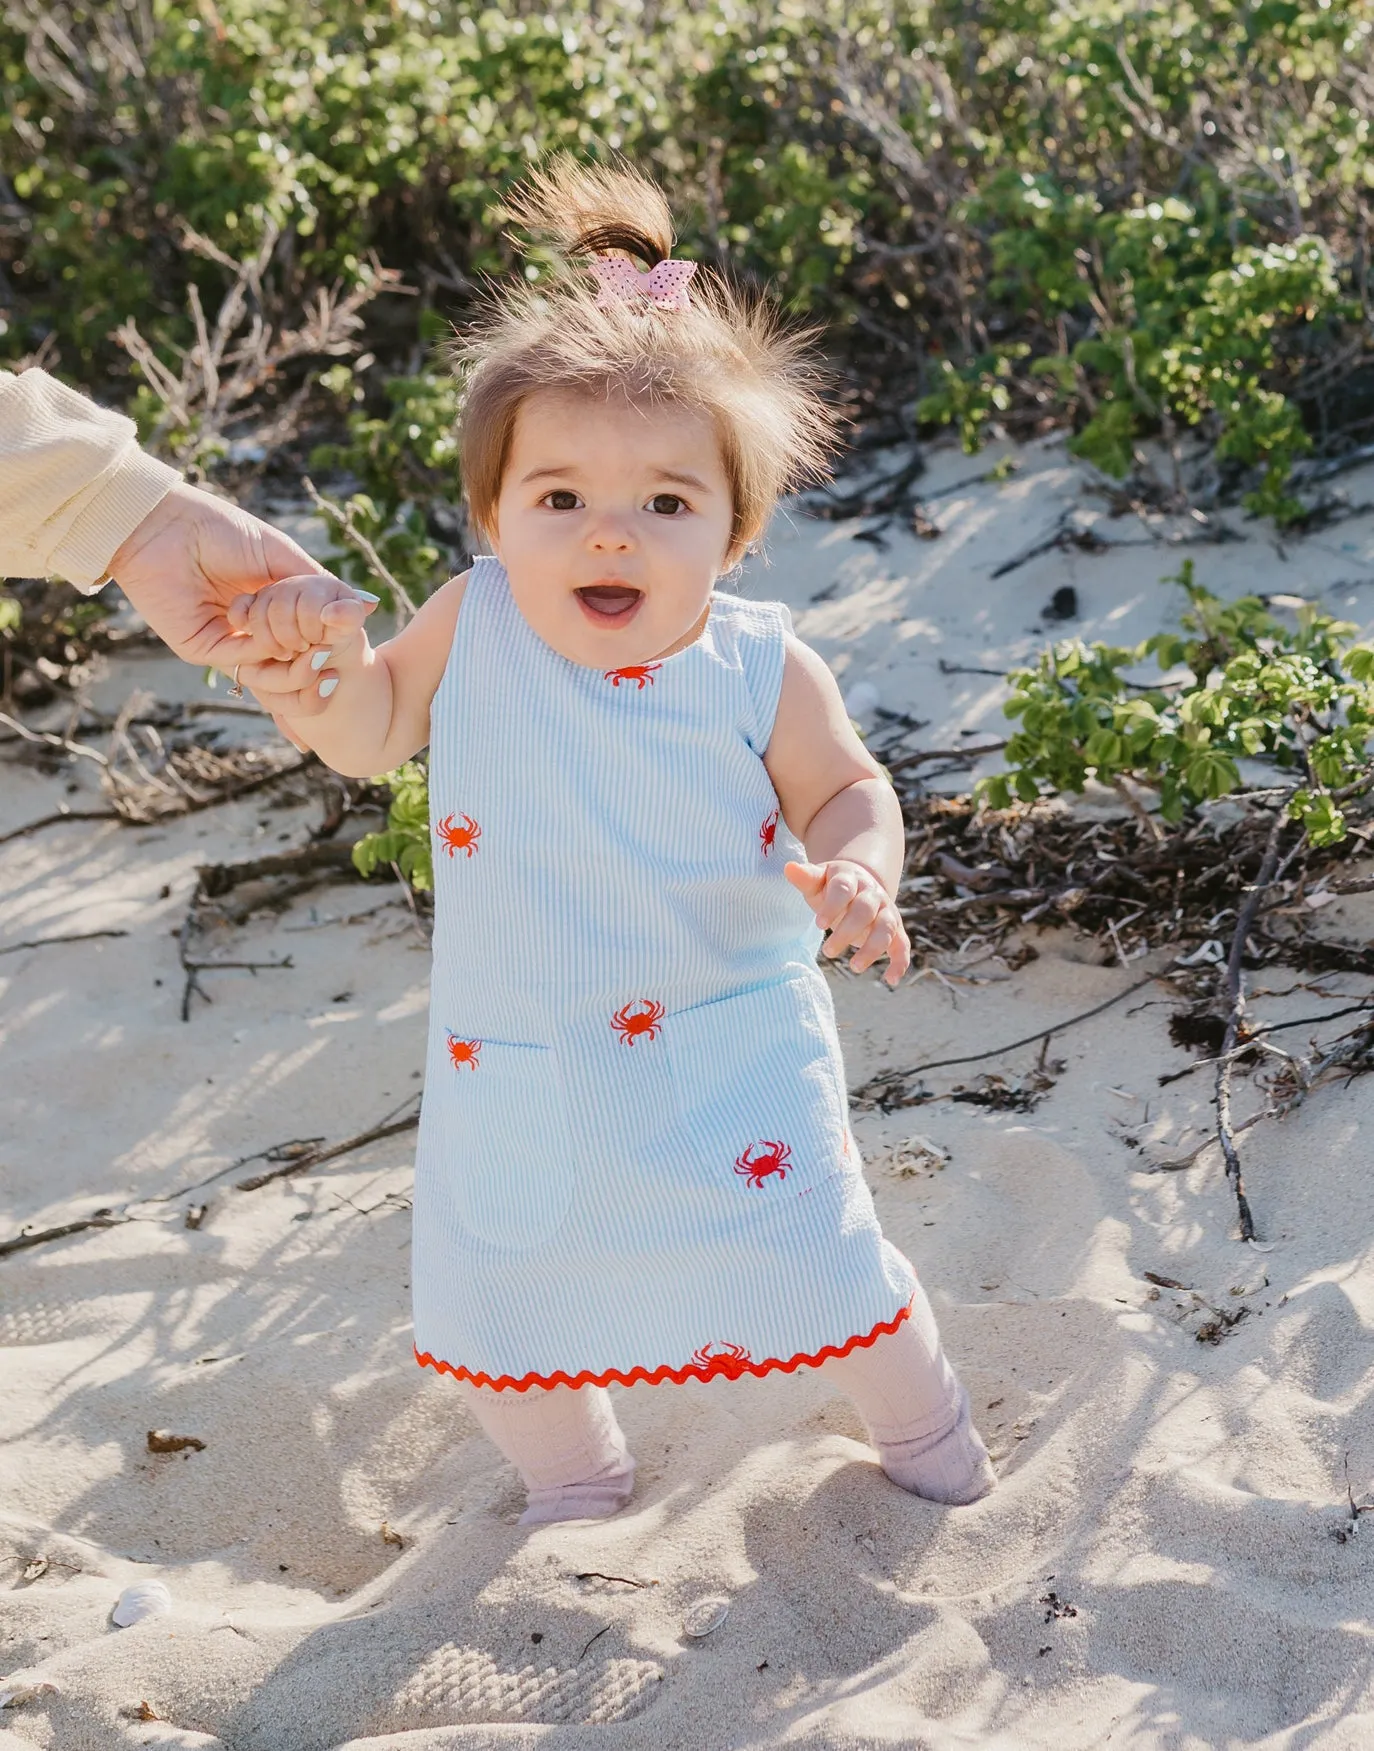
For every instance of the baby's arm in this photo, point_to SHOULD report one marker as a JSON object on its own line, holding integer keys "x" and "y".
{"x": 377, "y": 711}
{"x": 836, "y": 800}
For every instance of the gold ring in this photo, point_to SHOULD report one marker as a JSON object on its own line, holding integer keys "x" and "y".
{"x": 236, "y": 690}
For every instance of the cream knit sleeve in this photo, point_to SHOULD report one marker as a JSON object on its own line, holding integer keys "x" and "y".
{"x": 73, "y": 482}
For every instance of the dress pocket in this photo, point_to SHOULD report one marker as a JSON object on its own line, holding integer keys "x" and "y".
{"x": 759, "y": 1089}
{"x": 498, "y": 1131}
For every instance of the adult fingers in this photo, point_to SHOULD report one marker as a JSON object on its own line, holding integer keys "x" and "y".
{"x": 292, "y": 734}
{"x": 276, "y": 683}
{"x": 284, "y": 705}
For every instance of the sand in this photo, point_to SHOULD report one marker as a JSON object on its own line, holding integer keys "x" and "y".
{"x": 1160, "y": 1566}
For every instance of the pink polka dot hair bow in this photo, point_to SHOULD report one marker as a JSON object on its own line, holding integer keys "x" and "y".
{"x": 665, "y": 286}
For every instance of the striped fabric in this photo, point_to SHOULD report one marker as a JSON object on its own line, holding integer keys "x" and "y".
{"x": 634, "y": 1159}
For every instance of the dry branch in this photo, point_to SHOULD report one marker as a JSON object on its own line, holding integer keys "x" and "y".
{"x": 312, "y": 1158}
{"x": 878, "y": 1087}
{"x": 12, "y": 948}
{"x": 342, "y": 519}
{"x": 235, "y": 360}
{"x": 1234, "y": 990}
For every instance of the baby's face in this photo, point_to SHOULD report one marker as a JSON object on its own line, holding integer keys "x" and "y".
{"x": 613, "y": 525}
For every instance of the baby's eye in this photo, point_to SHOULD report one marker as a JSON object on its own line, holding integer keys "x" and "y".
{"x": 667, "y": 504}
{"x": 560, "y": 499}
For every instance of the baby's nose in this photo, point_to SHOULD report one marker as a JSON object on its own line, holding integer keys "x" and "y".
{"x": 610, "y": 536}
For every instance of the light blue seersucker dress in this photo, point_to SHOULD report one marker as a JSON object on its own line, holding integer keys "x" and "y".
{"x": 634, "y": 1159}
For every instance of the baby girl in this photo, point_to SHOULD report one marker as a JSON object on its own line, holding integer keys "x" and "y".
{"x": 648, "y": 804}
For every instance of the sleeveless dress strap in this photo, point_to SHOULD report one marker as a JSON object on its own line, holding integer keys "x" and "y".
{"x": 755, "y": 635}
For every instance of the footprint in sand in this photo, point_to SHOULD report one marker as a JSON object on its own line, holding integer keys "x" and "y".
{"x": 464, "y": 1685}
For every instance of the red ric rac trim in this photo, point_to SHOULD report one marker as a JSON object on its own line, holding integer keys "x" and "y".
{"x": 727, "y": 1365}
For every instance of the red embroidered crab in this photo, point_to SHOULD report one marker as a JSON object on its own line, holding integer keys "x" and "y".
{"x": 638, "y": 1021}
{"x": 455, "y": 839}
{"x": 728, "y": 1359}
{"x": 640, "y": 672}
{"x": 768, "y": 832}
{"x": 463, "y": 1052}
{"x": 776, "y": 1158}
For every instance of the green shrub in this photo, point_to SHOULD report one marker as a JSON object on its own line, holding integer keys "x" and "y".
{"x": 404, "y": 842}
{"x": 1129, "y": 221}
{"x": 1301, "y": 698}
{"x": 405, "y": 461}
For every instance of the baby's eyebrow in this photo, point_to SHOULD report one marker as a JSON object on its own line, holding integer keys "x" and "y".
{"x": 569, "y": 470}
{"x": 548, "y": 473}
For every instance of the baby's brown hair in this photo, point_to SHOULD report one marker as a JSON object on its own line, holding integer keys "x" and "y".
{"x": 729, "y": 356}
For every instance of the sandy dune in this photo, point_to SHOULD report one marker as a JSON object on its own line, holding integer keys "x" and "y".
{"x": 1160, "y": 1566}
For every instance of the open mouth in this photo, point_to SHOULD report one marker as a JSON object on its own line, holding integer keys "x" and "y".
{"x": 609, "y": 604}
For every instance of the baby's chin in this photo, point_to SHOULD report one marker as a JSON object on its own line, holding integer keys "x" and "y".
{"x": 618, "y": 640}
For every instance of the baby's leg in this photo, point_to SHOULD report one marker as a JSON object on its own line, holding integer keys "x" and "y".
{"x": 566, "y": 1445}
{"x": 916, "y": 1411}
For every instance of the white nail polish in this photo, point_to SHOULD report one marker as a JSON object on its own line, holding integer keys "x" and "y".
{"x": 327, "y": 687}
{"x": 366, "y": 595}
{"x": 320, "y": 658}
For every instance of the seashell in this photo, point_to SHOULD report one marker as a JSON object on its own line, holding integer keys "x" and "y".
{"x": 144, "y": 1599}
{"x": 703, "y": 1616}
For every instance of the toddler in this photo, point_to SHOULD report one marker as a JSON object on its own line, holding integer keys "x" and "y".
{"x": 647, "y": 805}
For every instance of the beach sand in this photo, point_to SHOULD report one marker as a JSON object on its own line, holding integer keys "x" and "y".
{"x": 1168, "y": 1561}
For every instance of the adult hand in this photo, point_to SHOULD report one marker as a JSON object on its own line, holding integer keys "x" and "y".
{"x": 189, "y": 558}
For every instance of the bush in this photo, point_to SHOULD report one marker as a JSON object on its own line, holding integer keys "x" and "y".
{"x": 1300, "y": 698}
{"x": 1126, "y": 221}
{"x": 404, "y": 842}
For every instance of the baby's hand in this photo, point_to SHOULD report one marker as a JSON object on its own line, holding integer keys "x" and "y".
{"x": 851, "y": 903}
{"x": 313, "y": 613}
{"x": 287, "y": 633}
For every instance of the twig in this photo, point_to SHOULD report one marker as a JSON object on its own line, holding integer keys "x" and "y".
{"x": 1066, "y": 533}
{"x": 60, "y": 815}
{"x": 342, "y": 519}
{"x": 920, "y": 755}
{"x": 1138, "y": 809}
{"x": 408, "y": 894}
{"x": 592, "y": 1643}
{"x": 52, "y": 741}
{"x": 193, "y": 969}
{"x": 40, "y": 1236}
{"x": 1234, "y": 987}
{"x": 1257, "y": 1037}
{"x": 387, "y": 1128}
{"x": 887, "y": 1077}
{"x": 307, "y": 1156}
{"x": 12, "y": 948}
